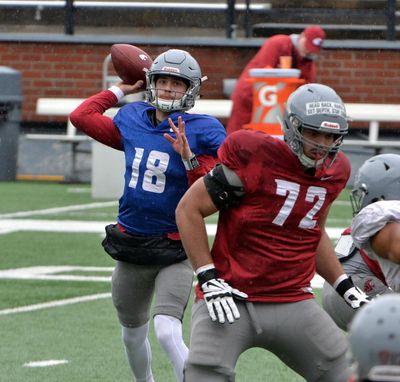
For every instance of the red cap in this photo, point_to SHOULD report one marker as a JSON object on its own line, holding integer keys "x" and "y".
{"x": 314, "y": 38}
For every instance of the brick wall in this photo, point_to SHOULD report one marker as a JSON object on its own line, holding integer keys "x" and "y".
{"x": 70, "y": 70}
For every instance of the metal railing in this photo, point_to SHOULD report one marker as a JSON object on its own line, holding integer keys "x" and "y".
{"x": 230, "y": 9}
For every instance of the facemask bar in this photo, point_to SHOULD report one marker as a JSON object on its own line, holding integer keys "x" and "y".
{"x": 357, "y": 197}
{"x": 185, "y": 103}
{"x": 298, "y": 140}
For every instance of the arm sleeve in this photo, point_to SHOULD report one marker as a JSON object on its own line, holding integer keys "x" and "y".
{"x": 372, "y": 218}
{"x": 88, "y": 117}
{"x": 237, "y": 153}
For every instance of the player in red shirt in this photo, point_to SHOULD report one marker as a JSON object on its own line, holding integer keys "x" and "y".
{"x": 303, "y": 49}
{"x": 273, "y": 198}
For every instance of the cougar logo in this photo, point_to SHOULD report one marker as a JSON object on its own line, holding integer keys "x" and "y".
{"x": 143, "y": 57}
{"x": 369, "y": 286}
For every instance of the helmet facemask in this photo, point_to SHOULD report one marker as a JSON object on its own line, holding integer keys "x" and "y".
{"x": 296, "y": 140}
{"x": 318, "y": 108}
{"x": 357, "y": 198}
{"x": 377, "y": 179}
{"x": 180, "y": 101}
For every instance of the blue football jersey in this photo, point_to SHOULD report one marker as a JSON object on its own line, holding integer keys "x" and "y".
{"x": 155, "y": 177}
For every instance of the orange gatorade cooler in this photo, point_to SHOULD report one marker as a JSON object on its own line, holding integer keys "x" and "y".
{"x": 271, "y": 89}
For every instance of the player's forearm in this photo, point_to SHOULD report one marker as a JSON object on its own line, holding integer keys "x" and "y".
{"x": 194, "y": 206}
{"x": 327, "y": 264}
{"x": 193, "y": 234}
{"x": 88, "y": 117}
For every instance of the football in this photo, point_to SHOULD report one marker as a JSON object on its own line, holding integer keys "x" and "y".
{"x": 130, "y": 63}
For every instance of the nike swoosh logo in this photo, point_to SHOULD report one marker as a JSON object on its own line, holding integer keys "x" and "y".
{"x": 326, "y": 177}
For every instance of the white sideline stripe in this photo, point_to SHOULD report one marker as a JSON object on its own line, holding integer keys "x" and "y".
{"x": 49, "y": 211}
{"x": 9, "y": 225}
{"x": 53, "y": 225}
{"x": 49, "y": 362}
{"x": 55, "y": 273}
{"x": 53, "y": 304}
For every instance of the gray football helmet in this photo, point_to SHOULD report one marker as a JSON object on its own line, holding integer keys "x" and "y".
{"x": 177, "y": 63}
{"x": 377, "y": 179}
{"x": 374, "y": 338}
{"x": 316, "y": 107}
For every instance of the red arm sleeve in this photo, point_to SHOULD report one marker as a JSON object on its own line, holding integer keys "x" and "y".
{"x": 207, "y": 163}
{"x": 88, "y": 117}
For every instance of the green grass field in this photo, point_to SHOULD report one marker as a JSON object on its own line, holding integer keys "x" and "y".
{"x": 55, "y": 300}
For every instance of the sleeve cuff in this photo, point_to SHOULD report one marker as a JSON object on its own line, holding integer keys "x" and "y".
{"x": 117, "y": 92}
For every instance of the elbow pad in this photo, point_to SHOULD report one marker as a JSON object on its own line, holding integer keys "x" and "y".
{"x": 224, "y": 187}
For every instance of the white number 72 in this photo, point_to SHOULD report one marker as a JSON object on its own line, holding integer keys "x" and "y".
{"x": 291, "y": 191}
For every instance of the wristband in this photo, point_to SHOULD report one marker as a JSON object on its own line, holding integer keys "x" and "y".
{"x": 207, "y": 275}
{"x": 344, "y": 286}
{"x": 191, "y": 163}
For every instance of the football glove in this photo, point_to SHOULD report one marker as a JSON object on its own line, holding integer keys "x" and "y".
{"x": 219, "y": 296}
{"x": 352, "y": 294}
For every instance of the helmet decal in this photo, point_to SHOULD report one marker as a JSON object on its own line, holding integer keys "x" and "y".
{"x": 170, "y": 69}
{"x": 330, "y": 125}
{"x": 332, "y": 108}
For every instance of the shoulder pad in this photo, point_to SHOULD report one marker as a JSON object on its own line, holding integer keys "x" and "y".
{"x": 345, "y": 247}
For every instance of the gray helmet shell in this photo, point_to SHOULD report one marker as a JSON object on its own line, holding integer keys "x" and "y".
{"x": 177, "y": 63}
{"x": 316, "y": 107}
{"x": 377, "y": 179}
{"x": 374, "y": 338}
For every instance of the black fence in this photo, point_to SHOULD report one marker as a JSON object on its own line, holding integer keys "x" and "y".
{"x": 234, "y": 13}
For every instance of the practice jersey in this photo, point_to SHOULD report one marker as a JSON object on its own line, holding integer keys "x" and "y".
{"x": 266, "y": 246}
{"x": 355, "y": 261}
{"x": 155, "y": 177}
{"x": 369, "y": 221}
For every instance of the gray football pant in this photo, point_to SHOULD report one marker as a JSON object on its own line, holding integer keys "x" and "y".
{"x": 337, "y": 308}
{"x": 133, "y": 287}
{"x": 301, "y": 334}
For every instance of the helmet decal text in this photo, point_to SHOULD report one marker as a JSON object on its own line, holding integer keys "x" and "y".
{"x": 330, "y": 125}
{"x": 332, "y": 108}
{"x": 170, "y": 69}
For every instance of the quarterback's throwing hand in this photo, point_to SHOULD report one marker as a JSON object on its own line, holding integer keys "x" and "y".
{"x": 219, "y": 299}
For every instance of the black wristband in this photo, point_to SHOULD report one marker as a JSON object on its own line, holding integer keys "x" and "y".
{"x": 207, "y": 275}
{"x": 344, "y": 286}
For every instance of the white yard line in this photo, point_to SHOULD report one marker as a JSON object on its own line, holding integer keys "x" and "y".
{"x": 56, "y": 210}
{"x": 78, "y": 226}
{"x": 46, "y": 363}
{"x": 10, "y": 225}
{"x": 53, "y": 304}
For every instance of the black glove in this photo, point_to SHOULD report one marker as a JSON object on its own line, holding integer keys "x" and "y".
{"x": 219, "y": 296}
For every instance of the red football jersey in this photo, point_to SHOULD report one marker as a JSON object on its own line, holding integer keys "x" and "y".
{"x": 266, "y": 246}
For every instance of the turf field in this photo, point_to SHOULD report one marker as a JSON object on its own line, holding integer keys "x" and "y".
{"x": 57, "y": 322}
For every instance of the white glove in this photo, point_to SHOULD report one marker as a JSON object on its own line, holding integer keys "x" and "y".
{"x": 352, "y": 294}
{"x": 219, "y": 299}
{"x": 355, "y": 297}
